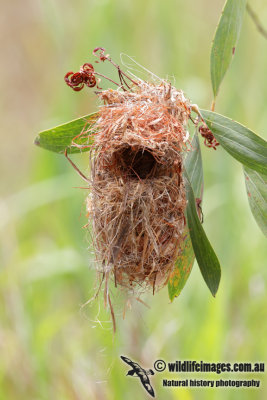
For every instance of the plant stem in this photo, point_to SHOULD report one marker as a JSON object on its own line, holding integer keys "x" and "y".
{"x": 256, "y": 21}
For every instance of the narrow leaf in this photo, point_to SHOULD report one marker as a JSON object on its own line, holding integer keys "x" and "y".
{"x": 207, "y": 260}
{"x": 186, "y": 256}
{"x": 256, "y": 185}
{"x": 59, "y": 138}
{"x": 225, "y": 41}
{"x": 183, "y": 267}
{"x": 239, "y": 141}
{"x": 193, "y": 166}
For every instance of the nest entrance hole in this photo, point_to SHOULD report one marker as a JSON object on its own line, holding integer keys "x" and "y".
{"x": 136, "y": 163}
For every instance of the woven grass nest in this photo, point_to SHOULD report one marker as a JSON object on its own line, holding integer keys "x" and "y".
{"x": 137, "y": 201}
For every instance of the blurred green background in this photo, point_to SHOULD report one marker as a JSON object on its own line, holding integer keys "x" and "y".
{"x": 51, "y": 347}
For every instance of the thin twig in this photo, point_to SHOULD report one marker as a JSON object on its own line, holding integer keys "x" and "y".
{"x": 112, "y": 314}
{"x": 76, "y": 168}
{"x": 256, "y": 21}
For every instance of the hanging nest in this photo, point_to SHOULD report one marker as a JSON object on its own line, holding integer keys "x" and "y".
{"x": 138, "y": 195}
{"x": 137, "y": 201}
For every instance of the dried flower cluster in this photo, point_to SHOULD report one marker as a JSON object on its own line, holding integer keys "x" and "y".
{"x": 209, "y": 139}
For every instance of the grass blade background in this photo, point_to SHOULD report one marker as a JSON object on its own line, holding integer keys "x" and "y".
{"x": 256, "y": 185}
{"x": 239, "y": 141}
{"x": 186, "y": 258}
{"x": 207, "y": 260}
{"x": 225, "y": 41}
{"x": 59, "y": 138}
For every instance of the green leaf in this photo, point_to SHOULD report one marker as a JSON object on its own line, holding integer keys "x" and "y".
{"x": 256, "y": 185}
{"x": 193, "y": 166}
{"x": 183, "y": 267}
{"x": 225, "y": 41}
{"x": 186, "y": 256}
{"x": 207, "y": 260}
{"x": 59, "y": 138}
{"x": 239, "y": 141}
